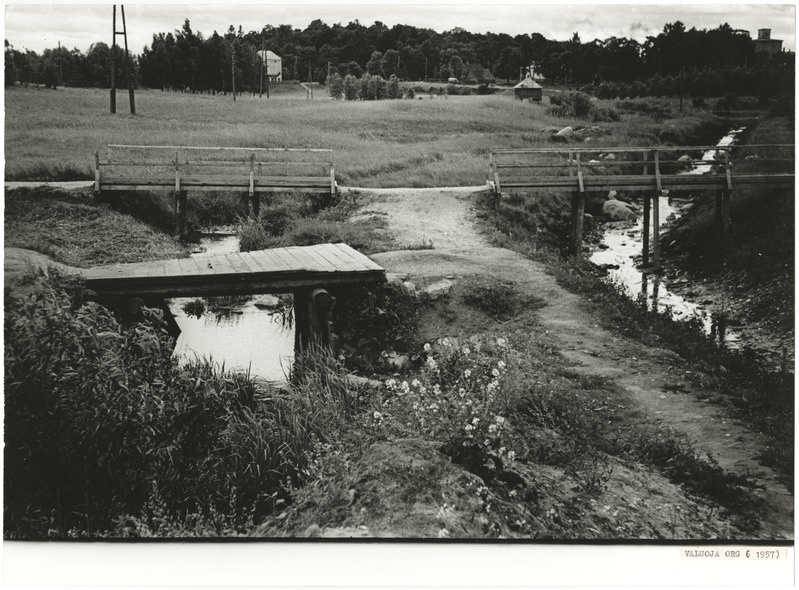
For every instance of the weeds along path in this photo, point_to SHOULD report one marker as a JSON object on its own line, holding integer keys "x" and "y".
{"x": 656, "y": 379}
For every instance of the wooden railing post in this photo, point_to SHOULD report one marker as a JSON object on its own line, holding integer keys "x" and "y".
{"x": 255, "y": 200}
{"x": 97, "y": 173}
{"x": 181, "y": 205}
{"x": 578, "y": 212}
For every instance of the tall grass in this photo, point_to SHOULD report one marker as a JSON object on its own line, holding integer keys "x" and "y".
{"x": 107, "y": 435}
{"x": 416, "y": 143}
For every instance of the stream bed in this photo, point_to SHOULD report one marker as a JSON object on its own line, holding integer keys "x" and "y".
{"x": 624, "y": 244}
{"x": 243, "y": 333}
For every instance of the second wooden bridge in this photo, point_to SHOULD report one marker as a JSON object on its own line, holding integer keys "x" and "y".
{"x": 653, "y": 171}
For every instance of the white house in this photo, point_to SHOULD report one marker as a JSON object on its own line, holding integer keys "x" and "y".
{"x": 274, "y": 65}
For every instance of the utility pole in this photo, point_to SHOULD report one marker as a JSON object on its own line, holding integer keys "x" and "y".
{"x": 60, "y": 73}
{"x": 113, "y": 51}
{"x": 128, "y": 65}
{"x": 233, "y": 70}
{"x": 263, "y": 62}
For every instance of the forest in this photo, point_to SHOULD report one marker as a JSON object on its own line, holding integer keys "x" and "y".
{"x": 697, "y": 62}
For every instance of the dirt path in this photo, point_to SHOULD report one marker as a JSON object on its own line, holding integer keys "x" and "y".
{"x": 654, "y": 378}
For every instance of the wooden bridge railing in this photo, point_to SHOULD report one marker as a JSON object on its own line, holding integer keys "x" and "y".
{"x": 219, "y": 169}
{"x": 651, "y": 170}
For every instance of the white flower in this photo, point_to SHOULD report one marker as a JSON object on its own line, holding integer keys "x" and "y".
{"x": 467, "y": 373}
{"x": 378, "y": 416}
{"x": 501, "y": 364}
{"x": 462, "y": 392}
{"x": 431, "y": 363}
{"x": 511, "y": 455}
{"x": 427, "y": 347}
{"x": 446, "y": 342}
{"x": 486, "y": 443}
{"x": 500, "y": 342}
{"x": 495, "y": 372}
{"x": 443, "y": 533}
{"x": 499, "y": 420}
{"x": 492, "y": 428}
{"x": 466, "y": 351}
{"x": 415, "y": 383}
{"x": 391, "y": 384}
{"x": 468, "y": 428}
{"x": 405, "y": 386}
{"x": 475, "y": 421}
{"x": 502, "y": 450}
{"x": 436, "y": 389}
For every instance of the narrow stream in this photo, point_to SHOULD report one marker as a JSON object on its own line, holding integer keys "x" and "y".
{"x": 243, "y": 333}
{"x": 624, "y": 241}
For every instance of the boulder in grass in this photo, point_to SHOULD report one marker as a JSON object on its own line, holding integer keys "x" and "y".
{"x": 266, "y": 301}
{"x": 619, "y": 211}
{"x": 565, "y": 132}
{"x": 685, "y": 159}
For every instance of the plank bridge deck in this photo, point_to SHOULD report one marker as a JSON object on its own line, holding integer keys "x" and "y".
{"x": 277, "y": 270}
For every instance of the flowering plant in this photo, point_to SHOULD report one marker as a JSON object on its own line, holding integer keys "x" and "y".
{"x": 457, "y": 397}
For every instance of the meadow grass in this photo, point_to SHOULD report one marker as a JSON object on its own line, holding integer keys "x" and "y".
{"x": 443, "y": 141}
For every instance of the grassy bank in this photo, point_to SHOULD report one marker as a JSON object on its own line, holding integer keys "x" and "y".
{"x": 413, "y": 143}
{"x": 72, "y": 228}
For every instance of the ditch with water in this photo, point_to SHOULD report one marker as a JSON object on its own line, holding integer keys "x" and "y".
{"x": 624, "y": 244}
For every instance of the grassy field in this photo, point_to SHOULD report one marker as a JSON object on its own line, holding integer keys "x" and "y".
{"x": 441, "y": 141}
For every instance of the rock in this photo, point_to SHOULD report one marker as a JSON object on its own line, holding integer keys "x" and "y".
{"x": 594, "y": 162}
{"x": 549, "y": 130}
{"x": 685, "y": 158}
{"x": 565, "y": 132}
{"x": 396, "y": 278}
{"x": 612, "y": 194}
{"x": 588, "y": 216}
{"x": 618, "y": 211}
{"x": 588, "y": 140}
{"x": 363, "y": 382}
{"x": 602, "y": 246}
{"x": 438, "y": 289}
{"x": 398, "y": 362}
{"x": 409, "y": 288}
{"x": 266, "y": 301}
{"x": 610, "y": 157}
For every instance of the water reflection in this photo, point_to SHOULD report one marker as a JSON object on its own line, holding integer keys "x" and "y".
{"x": 246, "y": 333}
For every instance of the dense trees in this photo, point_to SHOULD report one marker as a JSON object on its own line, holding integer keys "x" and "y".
{"x": 700, "y": 62}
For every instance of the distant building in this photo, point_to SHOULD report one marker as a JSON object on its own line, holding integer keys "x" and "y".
{"x": 764, "y": 42}
{"x": 530, "y": 89}
{"x": 273, "y": 65}
{"x": 477, "y": 74}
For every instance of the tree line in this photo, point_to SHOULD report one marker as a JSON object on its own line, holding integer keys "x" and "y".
{"x": 186, "y": 59}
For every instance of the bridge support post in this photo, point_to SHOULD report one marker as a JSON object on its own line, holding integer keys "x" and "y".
{"x": 722, "y": 218}
{"x": 578, "y": 217}
{"x": 181, "y": 215}
{"x": 656, "y": 231}
{"x": 312, "y": 318}
{"x": 647, "y": 219}
{"x": 255, "y": 206}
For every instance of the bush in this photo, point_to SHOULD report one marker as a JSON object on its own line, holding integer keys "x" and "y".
{"x": 351, "y": 87}
{"x": 335, "y": 86}
{"x": 410, "y": 94}
{"x": 393, "y": 88}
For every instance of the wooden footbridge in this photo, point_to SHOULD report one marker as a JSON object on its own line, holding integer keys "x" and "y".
{"x": 305, "y": 271}
{"x": 652, "y": 171}
{"x": 179, "y": 169}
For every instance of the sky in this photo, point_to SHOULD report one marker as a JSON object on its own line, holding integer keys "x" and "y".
{"x": 39, "y": 26}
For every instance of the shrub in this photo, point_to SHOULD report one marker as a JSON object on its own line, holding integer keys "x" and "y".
{"x": 393, "y": 88}
{"x": 351, "y": 87}
{"x": 335, "y": 86}
{"x": 410, "y": 94}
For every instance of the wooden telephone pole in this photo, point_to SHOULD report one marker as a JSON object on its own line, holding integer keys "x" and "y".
{"x": 128, "y": 65}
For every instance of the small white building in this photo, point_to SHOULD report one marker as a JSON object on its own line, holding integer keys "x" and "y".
{"x": 273, "y": 65}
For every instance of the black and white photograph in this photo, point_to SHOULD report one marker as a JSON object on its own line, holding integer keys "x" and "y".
{"x": 339, "y": 273}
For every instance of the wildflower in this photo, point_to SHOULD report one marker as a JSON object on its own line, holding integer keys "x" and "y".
{"x": 446, "y": 342}
{"x": 501, "y": 364}
{"x": 378, "y": 416}
{"x": 427, "y": 347}
{"x": 467, "y": 373}
{"x": 443, "y": 533}
{"x": 499, "y": 420}
{"x": 502, "y": 450}
{"x": 466, "y": 351}
{"x": 391, "y": 384}
{"x": 492, "y": 428}
{"x": 462, "y": 392}
{"x": 432, "y": 364}
{"x": 511, "y": 456}
{"x": 486, "y": 443}
{"x": 468, "y": 428}
{"x": 495, "y": 372}
{"x": 436, "y": 389}
{"x": 475, "y": 421}
{"x": 415, "y": 406}
{"x": 500, "y": 342}
{"x": 415, "y": 383}
{"x": 405, "y": 387}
